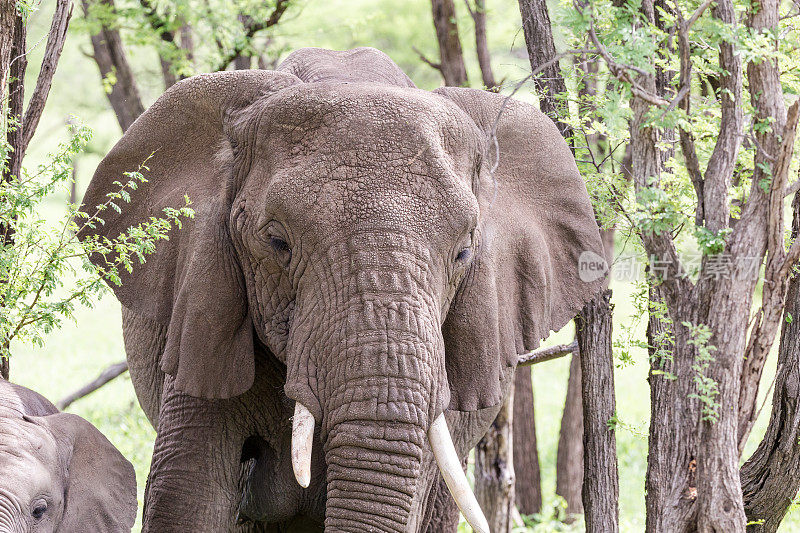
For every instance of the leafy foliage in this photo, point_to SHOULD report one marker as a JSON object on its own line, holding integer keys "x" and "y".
{"x": 44, "y": 269}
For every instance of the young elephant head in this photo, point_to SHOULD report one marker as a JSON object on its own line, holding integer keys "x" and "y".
{"x": 352, "y": 224}
{"x": 57, "y": 472}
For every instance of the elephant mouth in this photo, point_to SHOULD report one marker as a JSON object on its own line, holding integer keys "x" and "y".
{"x": 441, "y": 444}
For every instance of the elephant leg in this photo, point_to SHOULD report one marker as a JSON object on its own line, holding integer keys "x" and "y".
{"x": 192, "y": 484}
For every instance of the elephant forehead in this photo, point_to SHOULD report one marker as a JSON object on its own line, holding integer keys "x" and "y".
{"x": 25, "y": 449}
{"x": 354, "y": 153}
{"x": 383, "y": 123}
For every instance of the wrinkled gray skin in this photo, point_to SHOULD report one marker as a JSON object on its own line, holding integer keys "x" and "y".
{"x": 57, "y": 472}
{"x": 350, "y": 251}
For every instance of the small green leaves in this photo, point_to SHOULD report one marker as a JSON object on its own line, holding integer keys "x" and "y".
{"x": 711, "y": 243}
{"x": 44, "y": 269}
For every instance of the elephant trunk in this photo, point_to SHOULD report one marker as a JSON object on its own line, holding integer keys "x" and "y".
{"x": 366, "y": 362}
{"x": 9, "y": 516}
{"x": 372, "y": 476}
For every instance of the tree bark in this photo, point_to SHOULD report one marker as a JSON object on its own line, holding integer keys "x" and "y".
{"x": 771, "y": 476}
{"x": 569, "y": 458}
{"x": 494, "y": 470}
{"x": 8, "y": 15}
{"x": 14, "y": 79}
{"x": 451, "y": 64}
{"x": 478, "y": 14}
{"x": 55, "y": 45}
{"x": 109, "y": 54}
{"x": 768, "y": 101}
{"x": 541, "y": 49}
{"x": 600, "y": 479}
{"x": 528, "y": 487}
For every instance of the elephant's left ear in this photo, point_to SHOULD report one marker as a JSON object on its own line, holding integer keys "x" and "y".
{"x": 100, "y": 484}
{"x": 539, "y": 257}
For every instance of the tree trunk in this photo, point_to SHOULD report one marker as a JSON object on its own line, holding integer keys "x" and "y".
{"x": 569, "y": 459}
{"x": 494, "y": 470}
{"x": 541, "y": 49}
{"x": 771, "y": 477}
{"x": 528, "y": 488}
{"x": 15, "y": 61}
{"x": 109, "y": 54}
{"x": 600, "y": 479}
{"x": 8, "y": 15}
{"x": 452, "y": 64}
{"x": 482, "y": 45}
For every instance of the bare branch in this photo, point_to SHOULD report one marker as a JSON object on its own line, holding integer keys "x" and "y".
{"x": 52, "y": 53}
{"x": 547, "y": 354}
{"x": 433, "y": 64}
{"x": 684, "y": 99}
{"x": 110, "y": 373}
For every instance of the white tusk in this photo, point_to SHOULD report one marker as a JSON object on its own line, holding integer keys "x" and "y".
{"x": 302, "y": 443}
{"x": 450, "y": 466}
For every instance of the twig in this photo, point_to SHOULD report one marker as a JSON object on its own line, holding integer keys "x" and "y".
{"x": 433, "y": 64}
{"x": 547, "y": 354}
{"x": 107, "y": 375}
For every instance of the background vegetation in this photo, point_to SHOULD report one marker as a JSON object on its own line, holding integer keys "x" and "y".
{"x": 76, "y": 353}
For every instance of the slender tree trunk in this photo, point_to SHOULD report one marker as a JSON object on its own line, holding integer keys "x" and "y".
{"x": 451, "y": 64}
{"x": 600, "y": 479}
{"x": 478, "y": 14}
{"x": 14, "y": 64}
{"x": 109, "y": 54}
{"x": 528, "y": 488}
{"x": 569, "y": 458}
{"x": 494, "y": 470}
{"x": 8, "y": 14}
{"x": 771, "y": 477}
{"x": 541, "y": 49}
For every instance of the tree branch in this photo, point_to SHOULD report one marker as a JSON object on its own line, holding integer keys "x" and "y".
{"x": 547, "y": 354}
{"x": 432, "y": 64}
{"x": 109, "y": 54}
{"x": 52, "y": 53}
{"x": 723, "y": 158}
{"x": 686, "y": 138}
{"x": 482, "y": 44}
{"x": 252, "y": 27}
{"x": 110, "y": 373}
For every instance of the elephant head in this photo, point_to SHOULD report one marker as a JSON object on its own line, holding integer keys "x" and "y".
{"x": 58, "y": 473}
{"x": 376, "y": 239}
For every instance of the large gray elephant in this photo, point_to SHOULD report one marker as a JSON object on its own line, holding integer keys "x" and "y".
{"x": 58, "y": 473}
{"x": 355, "y": 261}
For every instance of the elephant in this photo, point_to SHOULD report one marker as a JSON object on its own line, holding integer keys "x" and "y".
{"x": 58, "y": 473}
{"x": 337, "y": 326}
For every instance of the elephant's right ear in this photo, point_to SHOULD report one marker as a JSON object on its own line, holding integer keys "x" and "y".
{"x": 100, "y": 484}
{"x": 192, "y": 284}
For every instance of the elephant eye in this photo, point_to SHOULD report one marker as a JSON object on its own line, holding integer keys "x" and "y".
{"x": 279, "y": 245}
{"x": 464, "y": 255}
{"x": 39, "y": 509}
